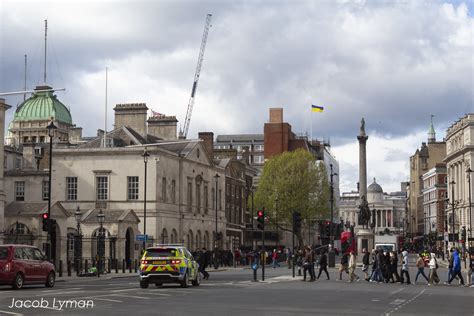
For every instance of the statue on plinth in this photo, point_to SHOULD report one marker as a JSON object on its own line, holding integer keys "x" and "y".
{"x": 364, "y": 212}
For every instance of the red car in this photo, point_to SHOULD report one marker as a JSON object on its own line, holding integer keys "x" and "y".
{"x": 24, "y": 264}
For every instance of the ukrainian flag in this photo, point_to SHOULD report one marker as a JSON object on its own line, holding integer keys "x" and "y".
{"x": 315, "y": 108}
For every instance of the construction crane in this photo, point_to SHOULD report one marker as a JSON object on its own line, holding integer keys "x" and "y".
{"x": 184, "y": 132}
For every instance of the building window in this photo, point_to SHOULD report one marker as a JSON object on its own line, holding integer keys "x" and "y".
{"x": 71, "y": 188}
{"x": 163, "y": 190}
{"x": 18, "y": 163}
{"x": 132, "y": 185}
{"x": 19, "y": 190}
{"x": 102, "y": 187}
{"x": 173, "y": 191}
{"x": 198, "y": 197}
{"x": 190, "y": 196}
{"x": 258, "y": 147}
{"x": 206, "y": 199}
{"x": 258, "y": 159}
{"x": 45, "y": 190}
{"x": 41, "y": 139}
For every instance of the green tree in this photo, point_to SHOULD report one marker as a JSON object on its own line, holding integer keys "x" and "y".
{"x": 293, "y": 181}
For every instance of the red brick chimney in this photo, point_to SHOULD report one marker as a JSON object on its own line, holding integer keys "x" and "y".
{"x": 208, "y": 142}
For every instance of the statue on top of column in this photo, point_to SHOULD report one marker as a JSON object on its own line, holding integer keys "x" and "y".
{"x": 362, "y": 127}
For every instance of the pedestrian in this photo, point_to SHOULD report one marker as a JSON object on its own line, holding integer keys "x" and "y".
{"x": 323, "y": 264}
{"x": 420, "y": 264}
{"x": 352, "y": 267}
{"x": 456, "y": 268}
{"x": 365, "y": 264}
{"x": 344, "y": 267}
{"x": 433, "y": 270}
{"x": 394, "y": 267}
{"x": 308, "y": 264}
{"x": 471, "y": 267}
{"x": 275, "y": 259}
{"x": 203, "y": 262}
{"x": 450, "y": 264}
{"x": 405, "y": 270}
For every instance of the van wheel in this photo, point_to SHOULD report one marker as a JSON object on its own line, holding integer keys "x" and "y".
{"x": 50, "y": 280}
{"x": 184, "y": 283}
{"x": 18, "y": 282}
{"x": 144, "y": 284}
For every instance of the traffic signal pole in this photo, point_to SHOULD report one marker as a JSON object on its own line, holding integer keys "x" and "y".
{"x": 263, "y": 246}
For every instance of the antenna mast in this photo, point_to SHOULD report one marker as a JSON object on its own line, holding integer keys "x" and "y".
{"x": 45, "y": 47}
{"x": 183, "y": 133}
{"x": 105, "y": 123}
{"x": 24, "y": 86}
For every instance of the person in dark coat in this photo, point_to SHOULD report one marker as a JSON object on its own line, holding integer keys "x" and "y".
{"x": 202, "y": 260}
{"x": 323, "y": 264}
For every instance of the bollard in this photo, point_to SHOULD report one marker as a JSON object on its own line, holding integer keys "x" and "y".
{"x": 109, "y": 266}
{"x": 123, "y": 266}
{"x": 130, "y": 265}
{"x": 69, "y": 268}
{"x": 136, "y": 265}
{"x": 116, "y": 265}
{"x": 60, "y": 268}
{"x": 86, "y": 268}
{"x": 77, "y": 266}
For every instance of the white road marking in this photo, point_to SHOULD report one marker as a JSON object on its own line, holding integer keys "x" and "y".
{"x": 159, "y": 294}
{"x": 10, "y": 313}
{"x": 397, "y": 291}
{"x": 403, "y": 304}
{"x": 69, "y": 289}
{"x": 375, "y": 300}
{"x": 125, "y": 290}
{"x": 61, "y": 293}
{"x": 130, "y": 296}
{"x": 397, "y": 302}
{"x": 107, "y": 299}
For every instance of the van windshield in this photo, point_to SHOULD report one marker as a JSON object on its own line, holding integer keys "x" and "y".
{"x": 3, "y": 253}
{"x": 162, "y": 252}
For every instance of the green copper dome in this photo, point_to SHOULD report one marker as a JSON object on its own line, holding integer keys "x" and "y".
{"x": 43, "y": 105}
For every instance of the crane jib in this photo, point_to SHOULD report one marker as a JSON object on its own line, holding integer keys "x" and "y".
{"x": 194, "y": 89}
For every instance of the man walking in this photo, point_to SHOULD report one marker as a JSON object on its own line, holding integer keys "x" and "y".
{"x": 323, "y": 264}
{"x": 404, "y": 271}
{"x": 365, "y": 264}
{"x": 352, "y": 267}
{"x": 275, "y": 259}
{"x": 344, "y": 267}
{"x": 202, "y": 260}
{"x": 456, "y": 268}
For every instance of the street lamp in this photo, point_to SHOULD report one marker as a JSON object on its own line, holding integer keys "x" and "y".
{"x": 51, "y": 129}
{"x": 145, "y": 161}
{"x": 452, "y": 183}
{"x": 216, "y": 177}
{"x": 78, "y": 245}
{"x": 252, "y": 191}
{"x": 331, "y": 237}
{"x": 469, "y": 171}
{"x": 101, "y": 243}
{"x": 276, "y": 221}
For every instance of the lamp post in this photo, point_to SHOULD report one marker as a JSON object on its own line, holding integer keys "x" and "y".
{"x": 252, "y": 190}
{"x": 216, "y": 177}
{"x": 51, "y": 128}
{"x": 145, "y": 161}
{"x": 101, "y": 242}
{"x": 78, "y": 245}
{"x": 331, "y": 236}
{"x": 469, "y": 171}
{"x": 452, "y": 183}
{"x": 276, "y": 221}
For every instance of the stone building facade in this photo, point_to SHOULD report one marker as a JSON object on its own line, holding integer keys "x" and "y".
{"x": 424, "y": 159}
{"x": 459, "y": 160}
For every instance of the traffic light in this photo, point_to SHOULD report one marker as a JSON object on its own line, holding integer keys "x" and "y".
{"x": 261, "y": 220}
{"x": 296, "y": 222}
{"x": 45, "y": 218}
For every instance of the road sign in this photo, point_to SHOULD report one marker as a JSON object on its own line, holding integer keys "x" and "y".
{"x": 142, "y": 237}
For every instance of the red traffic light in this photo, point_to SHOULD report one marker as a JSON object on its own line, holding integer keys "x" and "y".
{"x": 45, "y": 215}
{"x": 260, "y": 213}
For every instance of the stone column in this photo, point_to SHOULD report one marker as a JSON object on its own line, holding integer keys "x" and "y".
{"x": 3, "y": 108}
{"x": 362, "y": 138}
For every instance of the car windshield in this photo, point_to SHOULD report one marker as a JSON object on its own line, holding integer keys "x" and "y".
{"x": 3, "y": 253}
{"x": 162, "y": 252}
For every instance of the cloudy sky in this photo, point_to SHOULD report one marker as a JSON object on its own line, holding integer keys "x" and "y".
{"x": 392, "y": 62}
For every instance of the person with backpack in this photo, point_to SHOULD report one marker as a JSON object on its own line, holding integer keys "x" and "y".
{"x": 456, "y": 268}
{"x": 433, "y": 270}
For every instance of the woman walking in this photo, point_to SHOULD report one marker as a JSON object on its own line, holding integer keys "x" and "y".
{"x": 433, "y": 270}
{"x": 323, "y": 264}
{"x": 420, "y": 264}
